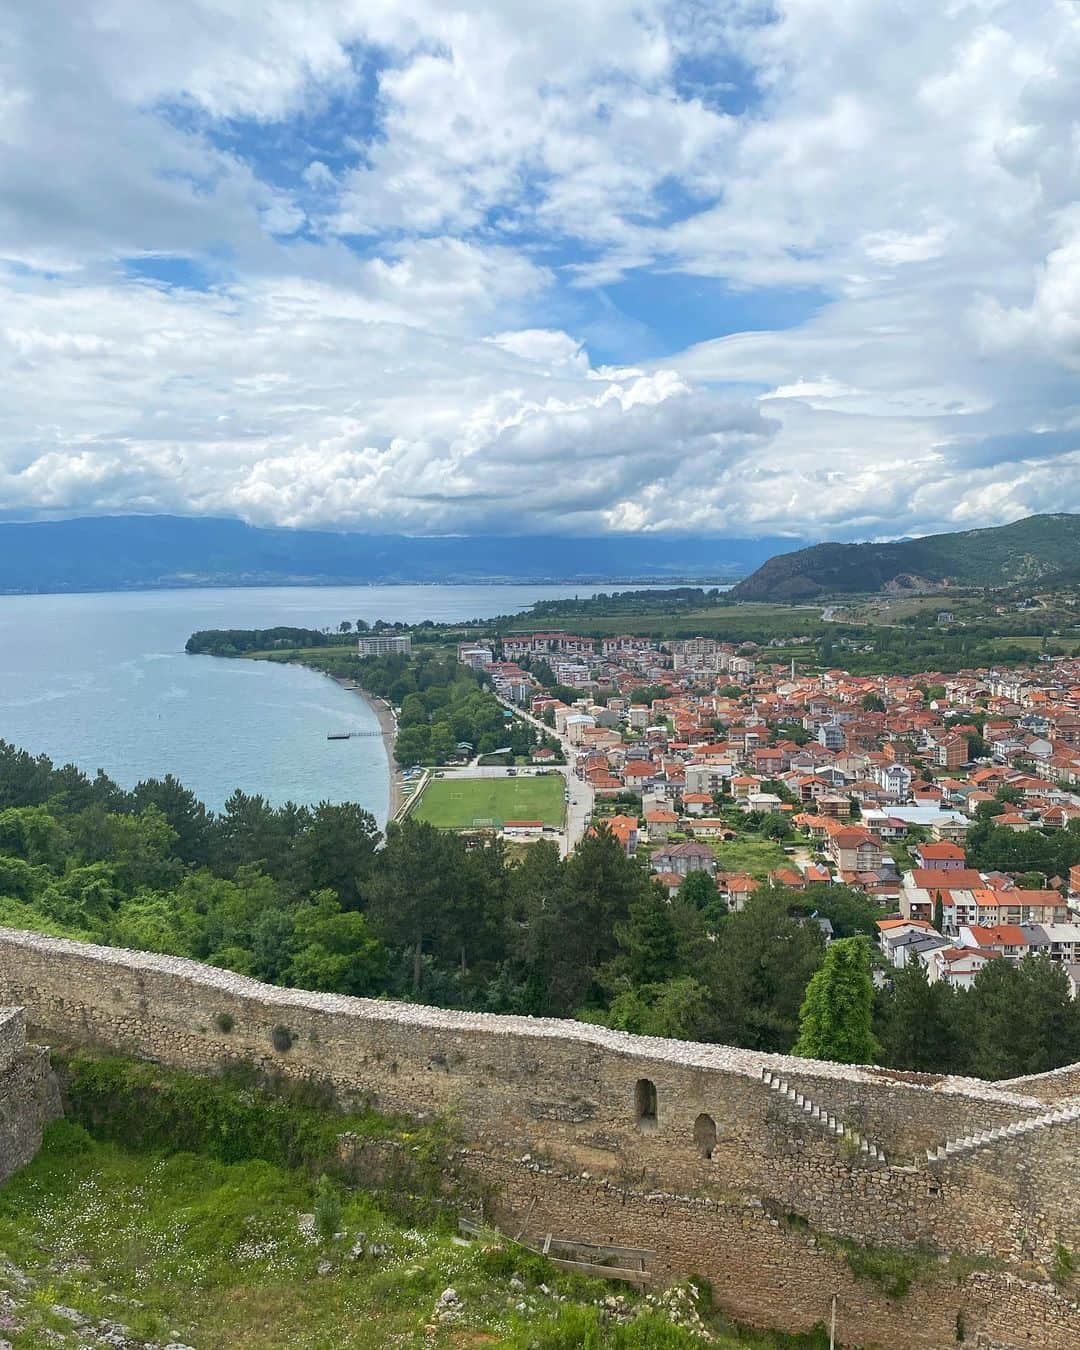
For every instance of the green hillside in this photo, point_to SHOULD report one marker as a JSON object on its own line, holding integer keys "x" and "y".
{"x": 1026, "y": 551}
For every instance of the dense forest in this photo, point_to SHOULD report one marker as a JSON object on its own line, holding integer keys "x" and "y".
{"x": 314, "y": 898}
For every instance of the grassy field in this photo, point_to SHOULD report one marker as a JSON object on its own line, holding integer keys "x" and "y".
{"x": 752, "y": 857}
{"x": 460, "y": 803}
{"x": 730, "y": 622}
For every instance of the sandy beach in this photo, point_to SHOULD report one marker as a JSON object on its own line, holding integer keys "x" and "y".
{"x": 388, "y": 726}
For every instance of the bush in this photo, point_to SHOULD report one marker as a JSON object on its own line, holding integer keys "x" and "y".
{"x": 1062, "y": 1266}
{"x": 327, "y": 1210}
{"x": 892, "y": 1271}
{"x": 224, "y": 1022}
{"x": 282, "y": 1038}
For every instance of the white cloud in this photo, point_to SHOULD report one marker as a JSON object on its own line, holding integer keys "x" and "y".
{"x": 399, "y": 211}
{"x": 326, "y": 415}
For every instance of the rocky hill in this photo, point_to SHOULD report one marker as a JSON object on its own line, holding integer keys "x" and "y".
{"x": 1034, "y": 549}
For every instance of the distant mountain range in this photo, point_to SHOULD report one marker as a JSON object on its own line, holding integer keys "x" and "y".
{"x": 1038, "y": 548}
{"x": 110, "y": 553}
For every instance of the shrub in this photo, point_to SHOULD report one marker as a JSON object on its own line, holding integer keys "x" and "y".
{"x": 224, "y": 1022}
{"x": 282, "y": 1038}
{"x": 1062, "y": 1265}
{"x": 327, "y": 1210}
{"x": 892, "y": 1271}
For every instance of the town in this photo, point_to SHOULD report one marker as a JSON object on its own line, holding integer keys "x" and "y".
{"x": 702, "y": 756}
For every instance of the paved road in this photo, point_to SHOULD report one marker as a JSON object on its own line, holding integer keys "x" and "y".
{"x": 579, "y": 809}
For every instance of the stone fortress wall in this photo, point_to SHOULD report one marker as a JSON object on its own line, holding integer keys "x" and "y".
{"x": 29, "y": 1096}
{"x": 747, "y": 1168}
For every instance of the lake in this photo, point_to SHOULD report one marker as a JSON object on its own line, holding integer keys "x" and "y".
{"x": 102, "y": 681}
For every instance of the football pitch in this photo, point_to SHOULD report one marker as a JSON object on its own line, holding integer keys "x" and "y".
{"x": 469, "y": 803}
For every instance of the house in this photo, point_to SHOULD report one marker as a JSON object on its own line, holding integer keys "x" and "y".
{"x": 684, "y": 859}
{"x": 1059, "y": 941}
{"x": 940, "y": 857}
{"x": 639, "y": 774}
{"x": 951, "y": 752}
{"x": 854, "y": 849}
{"x": 1022, "y": 905}
{"x": 575, "y": 726}
{"x": 660, "y": 823}
{"x": 768, "y": 803}
{"x": 958, "y": 965}
{"x": 831, "y": 735}
{"x": 713, "y": 827}
{"x": 815, "y": 873}
{"x": 894, "y": 779}
{"x": 736, "y": 889}
{"x": 894, "y": 932}
{"x": 707, "y": 778}
{"x": 1004, "y": 939}
{"x": 625, "y": 830}
{"x": 697, "y": 803}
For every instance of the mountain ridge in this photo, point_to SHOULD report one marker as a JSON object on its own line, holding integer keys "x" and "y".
{"x": 1032, "y": 549}
{"x": 113, "y": 553}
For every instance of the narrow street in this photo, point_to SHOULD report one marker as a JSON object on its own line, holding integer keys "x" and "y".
{"x": 579, "y": 808}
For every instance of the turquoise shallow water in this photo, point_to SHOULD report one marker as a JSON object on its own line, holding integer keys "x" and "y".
{"x": 103, "y": 681}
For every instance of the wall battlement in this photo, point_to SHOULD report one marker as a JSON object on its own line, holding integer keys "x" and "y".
{"x": 688, "y": 1149}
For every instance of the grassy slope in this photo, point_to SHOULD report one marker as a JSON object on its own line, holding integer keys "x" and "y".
{"x": 454, "y": 803}
{"x": 186, "y": 1247}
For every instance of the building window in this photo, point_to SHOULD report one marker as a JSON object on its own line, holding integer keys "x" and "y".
{"x": 645, "y": 1104}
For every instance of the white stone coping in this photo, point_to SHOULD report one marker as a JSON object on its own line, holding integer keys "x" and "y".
{"x": 681, "y": 1054}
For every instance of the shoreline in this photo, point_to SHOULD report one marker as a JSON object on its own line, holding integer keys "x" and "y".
{"x": 384, "y": 715}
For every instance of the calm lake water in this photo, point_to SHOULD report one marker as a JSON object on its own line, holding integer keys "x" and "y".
{"x": 103, "y": 681}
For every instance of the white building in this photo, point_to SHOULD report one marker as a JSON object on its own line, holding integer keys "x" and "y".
{"x": 384, "y": 644}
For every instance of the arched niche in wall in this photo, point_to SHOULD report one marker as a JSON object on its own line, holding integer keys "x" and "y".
{"x": 705, "y": 1135}
{"x": 645, "y": 1104}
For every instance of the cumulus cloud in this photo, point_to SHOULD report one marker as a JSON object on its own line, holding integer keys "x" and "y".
{"x": 336, "y": 262}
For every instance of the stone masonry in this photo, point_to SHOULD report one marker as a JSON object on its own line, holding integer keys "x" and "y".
{"x": 29, "y": 1096}
{"x": 747, "y": 1168}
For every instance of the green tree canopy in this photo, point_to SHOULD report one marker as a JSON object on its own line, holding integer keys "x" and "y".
{"x": 836, "y": 1018}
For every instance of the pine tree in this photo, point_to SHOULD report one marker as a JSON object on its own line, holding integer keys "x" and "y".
{"x": 836, "y": 1015}
{"x": 1002, "y": 1038}
{"x": 918, "y": 1031}
{"x": 1052, "y": 1014}
{"x": 648, "y": 947}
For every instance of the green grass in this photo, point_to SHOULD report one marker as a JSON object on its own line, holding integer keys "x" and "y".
{"x": 185, "y": 1248}
{"x": 455, "y": 803}
{"x": 753, "y": 857}
{"x": 218, "y": 1255}
{"x": 116, "y": 1225}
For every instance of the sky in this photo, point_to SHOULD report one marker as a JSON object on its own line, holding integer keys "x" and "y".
{"x": 797, "y": 267}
